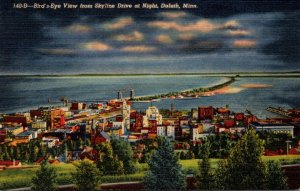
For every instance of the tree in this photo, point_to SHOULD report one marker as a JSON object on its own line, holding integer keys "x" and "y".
{"x": 86, "y": 176}
{"x": 108, "y": 163}
{"x": 6, "y": 155}
{"x": 124, "y": 152}
{"x": 45, "y": 179}
{"x": 244, "y": 168}
{"x": 164, "y": 170}
{"x": 205, "y": 178}
{"x": 182, "y": 155}
{"x": 78, "y": 144}
{"x": 276, "y": 178}
{"x": 16, "y": 153}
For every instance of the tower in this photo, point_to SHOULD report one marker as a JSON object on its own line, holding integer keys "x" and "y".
{"x": 172, "y": 109}
{"x": 131, "y": 94}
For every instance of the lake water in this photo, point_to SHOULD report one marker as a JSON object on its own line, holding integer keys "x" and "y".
{"x": 24, "y": 93}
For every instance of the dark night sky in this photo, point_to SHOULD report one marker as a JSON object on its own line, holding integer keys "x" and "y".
{"x": 219, "y": 36}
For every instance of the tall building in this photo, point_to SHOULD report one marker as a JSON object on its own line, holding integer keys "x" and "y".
{"x": 152, "y": 113}
{"x": 126, "y": 115}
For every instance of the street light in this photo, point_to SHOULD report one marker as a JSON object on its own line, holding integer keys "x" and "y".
{"x": 287, "y": 146}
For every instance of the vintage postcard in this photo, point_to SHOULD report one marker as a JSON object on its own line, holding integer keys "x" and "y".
{"x": 157, "y": 94}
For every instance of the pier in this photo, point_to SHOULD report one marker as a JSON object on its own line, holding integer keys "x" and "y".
{"x": 279, "y": 111}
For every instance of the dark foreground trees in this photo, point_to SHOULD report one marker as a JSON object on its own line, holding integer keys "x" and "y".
{"x": 205, "y": 178}
{"x": 45, "y": 178}
{"x": 164, "y": 170}
{"x": 276, "y": 179}
{"x": 123, "y": 151}
{"x": 245, "y": 170}
{"x": 109, "y": 163}
{"x": 86, "y": 176}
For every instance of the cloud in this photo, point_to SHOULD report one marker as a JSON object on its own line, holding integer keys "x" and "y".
{"x": 186, "y": 36}
{"x": 165, "y": 39}
{"x": 96, "y": 46}
{"x": 78, "y": 28}
{"x": 119, "y": 23}
{"x": 244, "y": 43}
{"x": 202, "y": 25}
{"x": 138, "y": 48}
{"x": 231, "y": 24}
{"x": 239, "y": 32}
{"x": 134, "y": 36}
{"x": 173, "y": 15}
{"x": 57, "y": 51}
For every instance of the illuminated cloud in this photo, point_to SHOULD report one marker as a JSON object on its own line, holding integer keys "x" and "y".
{"x": 139, "y": 48}
{"x": 119, "y": 23}
{"x": 239, "y": 32}
{"x": 231, "y": 24}
{"x": 186, "y": 36}
{"x": 78, "y": 28}
{"x": 165, "y": 39}
{"x": 57, "y": 51}
{"x": 203, "y": 25}
{"x": 173, "y": 15}
{"x": 244, "y": 43}
{"x": 135, "y": 36}
{"x": 96, "y": 46}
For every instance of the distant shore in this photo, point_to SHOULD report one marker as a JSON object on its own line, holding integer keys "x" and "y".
{"x": 221, "y": 74}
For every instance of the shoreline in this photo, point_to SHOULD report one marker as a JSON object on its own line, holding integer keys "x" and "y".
{"x": 186, "y": 94}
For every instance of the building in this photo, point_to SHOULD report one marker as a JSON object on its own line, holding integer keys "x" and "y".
{"x": 50, "y": 141}
{"x": 273, "y": 127}
{"x": 151, "y": 121}
{"x": 166, "y": 131}
{"x": 136, "y": 122}
{"x": 58, "y": 122}
{"x": 152, "y": 113}
{"x": 171, "y": 131}
{"x": 77, "y": 106}
{"x": 100, "y": 137}
{"x": 194, "y": 113}
{"x": 39, "y": 124}
{"x": 13, "y": 130}
{"x": 161, "y": 131}
{"x": 50, "y": 115}
{"x": 27, "y": 135}
{"x": 205, "y": 113}
{"x": 126, "y": 115}
{"x": 120, "y": 126}
{"x": 17, "y": 118}
{"x": 197, "y": 132}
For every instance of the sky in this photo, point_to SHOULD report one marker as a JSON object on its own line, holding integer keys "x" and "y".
{"x": 218, "y": 36}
